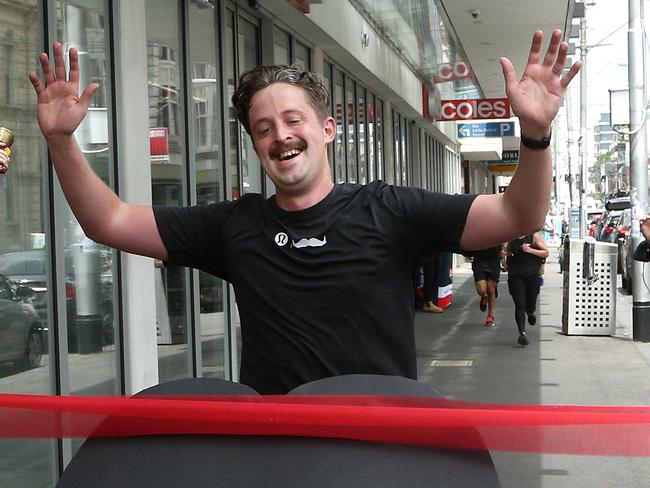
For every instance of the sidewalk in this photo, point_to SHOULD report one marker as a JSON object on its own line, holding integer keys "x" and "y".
{"x": 553, "y": 369}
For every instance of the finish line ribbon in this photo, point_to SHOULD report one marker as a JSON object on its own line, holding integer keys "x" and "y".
{"x": 439, "y": 423}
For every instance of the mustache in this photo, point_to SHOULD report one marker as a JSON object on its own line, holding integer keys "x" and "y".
{"x": 281, "y": 147}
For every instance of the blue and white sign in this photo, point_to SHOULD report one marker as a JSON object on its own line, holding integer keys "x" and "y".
{"x": 486, "y": 129}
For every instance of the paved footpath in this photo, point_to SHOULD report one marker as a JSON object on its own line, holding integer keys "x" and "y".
{"x": 464, "y": 360}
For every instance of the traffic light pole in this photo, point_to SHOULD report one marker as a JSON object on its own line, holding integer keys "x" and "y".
{"x": 638, "y": 166}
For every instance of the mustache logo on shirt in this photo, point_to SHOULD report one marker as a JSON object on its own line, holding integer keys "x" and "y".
{"x": 311, "y": 242}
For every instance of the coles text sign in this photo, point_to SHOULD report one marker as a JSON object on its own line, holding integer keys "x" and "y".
{"x": 451, "y": 71}
{"x": 485, "y": 108}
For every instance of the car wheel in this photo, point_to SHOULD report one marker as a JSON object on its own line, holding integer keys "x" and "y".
{"x": 33, "y": 350}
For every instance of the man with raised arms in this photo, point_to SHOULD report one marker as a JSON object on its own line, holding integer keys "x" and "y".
{"x": 322, "y": 272}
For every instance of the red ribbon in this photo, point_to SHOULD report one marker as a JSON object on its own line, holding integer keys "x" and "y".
{"x": 623, "y": 431}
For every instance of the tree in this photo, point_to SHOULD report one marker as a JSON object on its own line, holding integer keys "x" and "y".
{"x": 596, "y": 170}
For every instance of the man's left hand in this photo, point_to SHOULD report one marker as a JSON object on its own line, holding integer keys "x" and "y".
{"x": 536, "y": 98}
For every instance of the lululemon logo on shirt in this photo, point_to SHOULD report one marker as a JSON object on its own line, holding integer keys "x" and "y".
{"x": 281, "y": 239}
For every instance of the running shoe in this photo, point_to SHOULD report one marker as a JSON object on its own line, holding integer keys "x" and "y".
{"x": 523, "y": 340}
{"x": 489, "y": 321}
{"x": 483, "y": 303}
{"x": 532, "y": 320}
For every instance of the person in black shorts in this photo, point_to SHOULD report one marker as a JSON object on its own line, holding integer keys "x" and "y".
{"x": 486, "y": 266}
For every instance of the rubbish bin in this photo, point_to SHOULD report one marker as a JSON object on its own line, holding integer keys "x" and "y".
{"x": 589, "y": 278}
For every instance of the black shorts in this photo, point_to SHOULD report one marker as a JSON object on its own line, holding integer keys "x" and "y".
{"x": 486, "y": 269}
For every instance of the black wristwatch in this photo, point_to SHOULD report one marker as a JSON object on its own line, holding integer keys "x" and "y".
{"x": 536, "y": 143}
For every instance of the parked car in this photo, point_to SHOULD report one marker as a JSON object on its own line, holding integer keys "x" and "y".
{"x": 28, "y": 268}
{"x": 591, "y": 226}
{"x": 620, "y": 232}
{"x": 21, "y": 332}
{"x": 625, "y": 252}
{"x": 607, "y": 225}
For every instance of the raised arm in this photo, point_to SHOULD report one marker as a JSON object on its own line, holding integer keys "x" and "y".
{"x": 102, "y": 215}
{"x": 535, "y": 99}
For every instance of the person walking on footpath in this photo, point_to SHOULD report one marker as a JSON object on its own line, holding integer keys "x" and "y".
{"x": 486, "y": 267}
{"x": 525, "y": 256}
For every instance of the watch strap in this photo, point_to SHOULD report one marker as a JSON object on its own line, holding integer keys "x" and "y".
{"x": 536, "y": 143}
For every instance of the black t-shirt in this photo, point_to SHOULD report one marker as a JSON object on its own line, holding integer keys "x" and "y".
{"x": 521, "y": 263}
{"x": 489, "y": 254}
{"x": 323, "y": 291}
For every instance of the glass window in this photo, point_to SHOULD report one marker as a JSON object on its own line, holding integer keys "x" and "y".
{"x": 370, "y": 123}
{"x": 210, "y": 180}
{"x": 89, "y": 269}
{"x": 327, "y": 82}
{"x": 379, "y": 136}
{"x": 233, "y": 124}
{"x": 404, "y": 147}
{"x": 23, "y": 213}
{"x": 249, "y": 56}
{"x": 168, "y": 181}
{"x": 350, "y": 120}
{"x": 301, "y": 55}
{"x": 361, "y": 134}
{"x": 397, "y": 170}
{"x": 339, "y": 155}
{"x": 281, "y": 46}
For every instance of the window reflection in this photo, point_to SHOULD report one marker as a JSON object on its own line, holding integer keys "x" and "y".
{"x": 249, "y": 54}
{"x": 301, "y": 56}
{"x": 281, "y": 46}
{"x": 210, "y": 180}
{"x": 379, "y": 118}
{"x": 168, "y": 185}
{"x": 370, "y": 118}
{"x": 361, "y": 134}
{"x": 339, "y": 156}
{"x": 88, "y": 267}
{"x": 350, "y": 118}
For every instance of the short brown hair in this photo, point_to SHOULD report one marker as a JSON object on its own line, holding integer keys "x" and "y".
{"x": 254, "y": 80}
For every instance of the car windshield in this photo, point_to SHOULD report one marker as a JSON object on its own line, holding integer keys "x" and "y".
{"x": 27, "y": 263}
{"x": 22, "y": 264}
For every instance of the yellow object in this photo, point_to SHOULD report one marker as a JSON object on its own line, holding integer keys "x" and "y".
{"x": 6, "y": 137}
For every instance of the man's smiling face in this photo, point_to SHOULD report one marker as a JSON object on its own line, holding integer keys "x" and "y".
{"x": 290, "y": 139}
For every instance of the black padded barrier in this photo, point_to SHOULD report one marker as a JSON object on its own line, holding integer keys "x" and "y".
{"x": 275, "y": 462}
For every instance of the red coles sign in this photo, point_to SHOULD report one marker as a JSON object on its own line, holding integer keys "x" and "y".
{"x": 451, "y": 71}
{"x": 487, "y": 108}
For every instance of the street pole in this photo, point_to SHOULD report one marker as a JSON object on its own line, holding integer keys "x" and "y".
{"x": 569, "y": 123}
{"x": 582, "y": 142}
{"x": 638, "y": 165}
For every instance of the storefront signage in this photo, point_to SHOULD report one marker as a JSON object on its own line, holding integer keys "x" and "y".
{"x": 451, "y": 71}
{"x": 486, "y": 129}
{"x": 510, "y": 156}
{"x": 159, "y": 145}
{"x": 485, "y": 108}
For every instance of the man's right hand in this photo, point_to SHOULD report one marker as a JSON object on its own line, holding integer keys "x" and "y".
{"x": 60, "y": 109}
